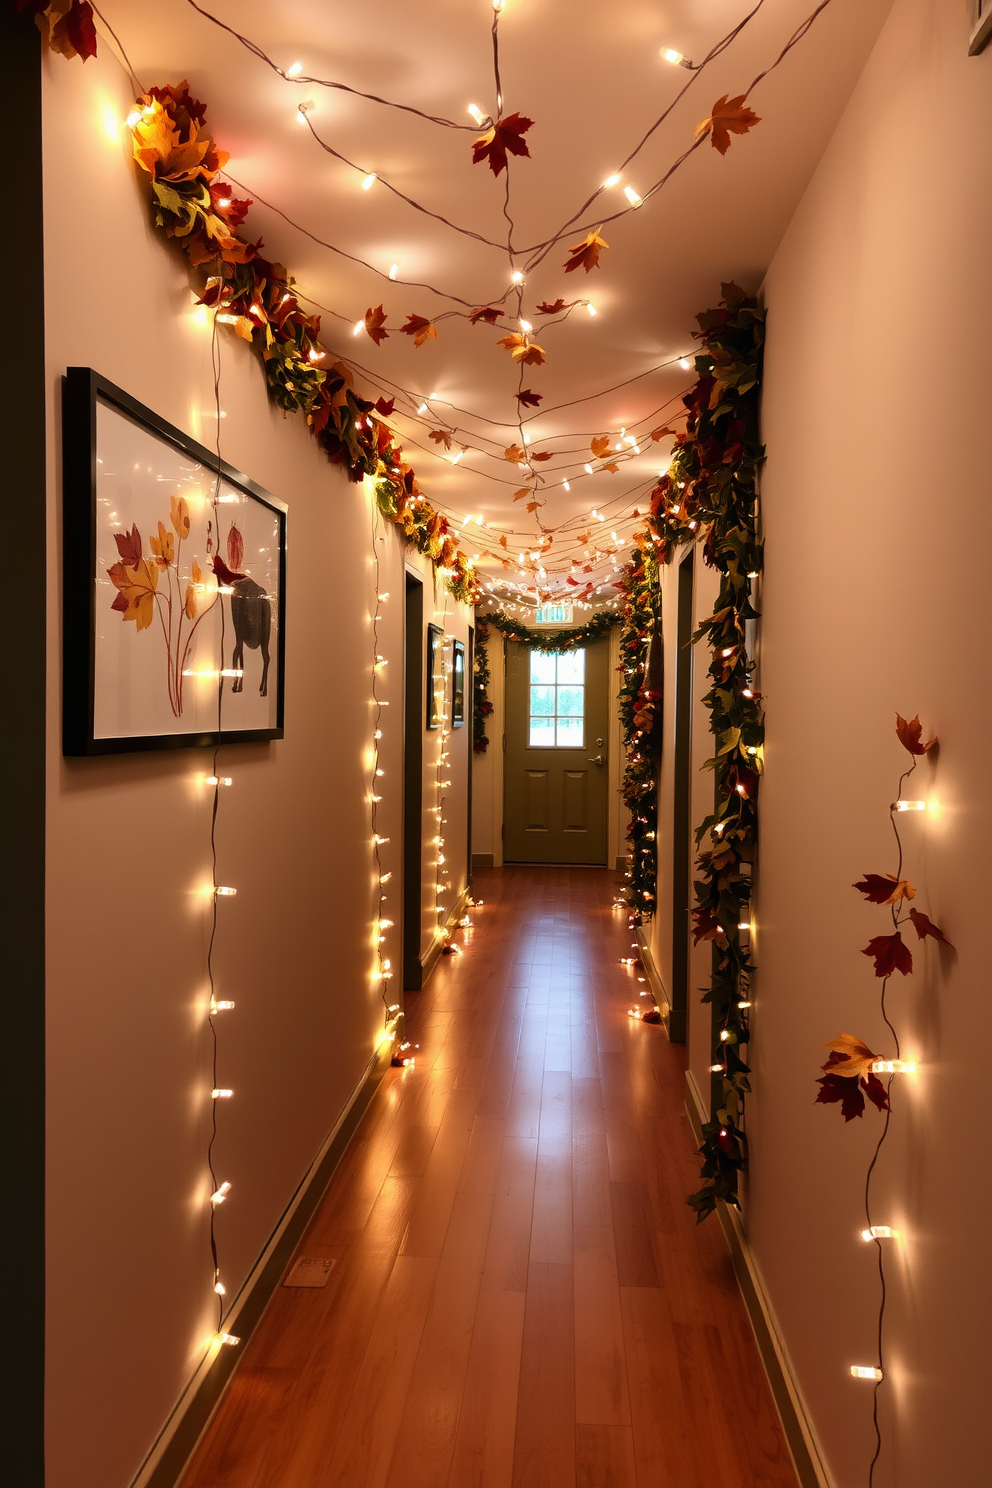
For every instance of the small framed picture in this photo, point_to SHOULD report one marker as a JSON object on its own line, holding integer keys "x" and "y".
{"x": 436, "y": 682}
{"x": 174, "y": 575}
{"x": 458, "y": 684}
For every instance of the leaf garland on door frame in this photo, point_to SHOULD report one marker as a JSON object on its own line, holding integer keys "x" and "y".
{"x": 567, "y": 639}
{"x": 710, "y": 493}
{"x": 482, "y": 706}
{"x": 641, "y": 621}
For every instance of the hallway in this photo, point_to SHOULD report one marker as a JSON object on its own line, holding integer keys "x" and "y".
{"x": 519, "y": 1293}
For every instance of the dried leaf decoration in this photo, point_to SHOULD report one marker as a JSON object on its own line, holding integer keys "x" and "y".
{"x": 135, "y": 579}
{"x": 611, "y": 468}
{"x": 600, "y": 446}
{"x": 441, "y": 436}
{"x": 179, "y": 515}
{"x": 585, "y": 255}
{"x": 67, "y": 26}
{"x": 848, "y": 1079}
{"x": 375, "y": 321}
{"x": 523, "y": 350}
{"x": 533, "y": 506}
{"x": 129, "y": 546}
{"x": 420, "y": 329}
{"x": 883, "y": 888}
{"x": 909, "y": 735}
{"x": 385, "y": 406}
{"x": 657, "y": 434}
{"x": 554, "y": 308}
{"x": 529, "y": 398}
{"x": 890, "y": 954}
{"x": 505, "y": 136}
{"x": 519, "y": 495}
{"x": 924, "y": 926}
{"x": 488, "y": 314}
{"x": 729, "y": 116}
{"x": 514, "y": 453}
{"x": 544, "y": 455}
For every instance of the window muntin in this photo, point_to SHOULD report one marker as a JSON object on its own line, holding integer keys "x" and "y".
{"x": 557, "y": 700}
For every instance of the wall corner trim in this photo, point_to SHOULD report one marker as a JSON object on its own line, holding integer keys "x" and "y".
{"x": 171, "y": 1452}
{"x": 811, "y": 1467}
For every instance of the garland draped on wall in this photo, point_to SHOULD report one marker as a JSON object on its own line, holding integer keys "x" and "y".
{"x": 554, "y": 640}
{"x": 640, "y": 720}
{"x": 710, "y": 492}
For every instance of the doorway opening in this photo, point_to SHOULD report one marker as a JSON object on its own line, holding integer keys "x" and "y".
{"x": 556, "y": 779}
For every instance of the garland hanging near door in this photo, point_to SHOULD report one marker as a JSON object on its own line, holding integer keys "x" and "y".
{"x": 640, "y": 722}
{"x": 710, "y": 492}
{"x": 481, "y": 705}
{"x": 555, "y": 640}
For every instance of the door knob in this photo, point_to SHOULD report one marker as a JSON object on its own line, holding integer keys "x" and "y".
{"x": 597, "y": 761}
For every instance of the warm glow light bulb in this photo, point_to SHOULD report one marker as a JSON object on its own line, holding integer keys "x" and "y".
{"x": 217, "y": 1094}
{"x": 865, "y": 1372}
{"x": 517, "y": 277}
{"x": 369, "y": 181}
{"x": 632, "y": 196}
{"x": 909, "y": 806}
{"x": 220, "y": 1194}
{"x": 684, "y": 363}
{"x": 672, "y": 56}
{"x": 220, "y": 1007}
{"x": 294, "y": 69}
{"x": 892, "y": 1067}
{"x": 358, "y": 328}
{"x": 878, "y": 1232}
{"x": 223, "y": 891}
{"x": 220, "y": 1289}
{"x": 393, "y": 270}
{"x": 228, "y": 1338}
{"x": 219, "y": 780}
{"x": 476, "y": 113}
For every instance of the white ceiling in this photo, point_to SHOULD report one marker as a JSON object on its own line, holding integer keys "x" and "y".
{"x": 591, "y": 77}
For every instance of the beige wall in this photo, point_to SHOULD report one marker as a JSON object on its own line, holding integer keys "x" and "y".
{"x": 130, "y": 1303}
{"x": 878, "y": 519}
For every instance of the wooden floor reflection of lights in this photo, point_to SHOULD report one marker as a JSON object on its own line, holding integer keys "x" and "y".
{"x": 520, "y": 1297}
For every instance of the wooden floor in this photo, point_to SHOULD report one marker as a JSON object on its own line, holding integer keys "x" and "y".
{"x": 520, "y": 1297}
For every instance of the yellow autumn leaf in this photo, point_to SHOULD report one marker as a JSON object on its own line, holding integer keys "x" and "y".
{"x": 163, "y": 546}
{"x": 179, "y": 515}
{"x": 857, "y": 1057}
{"x": 599, "y": 445}
{"x": 514, "y": 453}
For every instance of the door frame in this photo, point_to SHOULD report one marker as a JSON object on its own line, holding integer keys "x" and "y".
{"x": 413, "y": 777}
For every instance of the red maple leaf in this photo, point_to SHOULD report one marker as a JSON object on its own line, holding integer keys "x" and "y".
{"x": 707, "y": 926}
{"x": 890, "y": 954}
{"x": 883, "y": 888}
{"x": 129, "y": 546}
{"x": 375, "y": 321}
{"x": 222, "y": 571}
{"x": 909, "y": 735}
{"x": 850, "y": 1090}
{"x": 528, "y": 398}
{"x": 554, "y": 308}
{"x": 385, "y": 406}
{"x": 486, "y": 313}
{"x": 420, "y": 328}
{"x": 924, "y": 926}
{"x": 505, "y": 136}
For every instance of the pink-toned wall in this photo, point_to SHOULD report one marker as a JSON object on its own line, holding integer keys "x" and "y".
{"x": 130, "y": 1302}
{"x": 877, "y": 503}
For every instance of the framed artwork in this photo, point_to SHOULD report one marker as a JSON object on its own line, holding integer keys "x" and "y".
{"x": 174, "y": 576}
{"x": 458, "y": 684}
{"x": 436, "y": 688}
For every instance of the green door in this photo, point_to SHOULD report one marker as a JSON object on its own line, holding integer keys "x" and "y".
{"x": 555, "y": 802}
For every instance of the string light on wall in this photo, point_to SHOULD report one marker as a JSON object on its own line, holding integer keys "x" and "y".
{"x": 850, "y": 1074}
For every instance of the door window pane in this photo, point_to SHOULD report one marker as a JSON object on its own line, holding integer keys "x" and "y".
{"x": 557, "y": 700}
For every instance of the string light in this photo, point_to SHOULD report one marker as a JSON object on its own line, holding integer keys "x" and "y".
{"x": 393, "y": 270}
{"x": 879, "y": 1232}
{"x": 220, "y": 1194}
{"x": 228, "y": 1338}
{"x": 224, "y": 891}
{"x": 369, "y": 181}
{"x": 892, "y": 1067}
{"x": 632, "y": 196}
{"x": 221, "y": 1094}
{"x": 294, "y": 69}
{"x": 866, "y": 1372}
{"x": 909, "y": 806}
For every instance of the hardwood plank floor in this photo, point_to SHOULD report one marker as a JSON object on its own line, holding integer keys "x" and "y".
{"x": 521, "y": 1298}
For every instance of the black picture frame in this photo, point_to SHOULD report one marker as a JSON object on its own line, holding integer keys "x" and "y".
{"x": 458, "y": 684}
{"x": 83, "y": 391}
{"x": 434, "y": 675}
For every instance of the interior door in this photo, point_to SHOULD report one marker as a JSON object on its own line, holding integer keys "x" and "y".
{"x": 556, "y": 775}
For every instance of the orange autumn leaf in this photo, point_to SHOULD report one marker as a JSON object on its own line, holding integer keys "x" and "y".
{"x": 502, "y": 540}
{"x": 519, "y": 495}
{"x": 657, "y": 434}
{"x": 533, "y": 506}
{"x": 179, "y": 515}
{"x": 551, "y": 307}
{"x": 192, "y": 591}
{"x": 910, "y": 735}
{"x": 599, "y": 446}
{"x": 420, "y": 328}
{"x": 163, "y": 546}
{"x": 441, "y": 436}
{"x": 544, "y": 455}
{"x": 136, "y": 587}
{"x": 612, "y": 467}
{"x": 514, "y": 453}
{"x": 585, "y": 255}
{"x": 729, "y": 116}
{"x": 375, "y": 321}
{"x": 855, "y": 1059}
{"x": 523, "y": 350}
{"x": 582, "y": 538}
